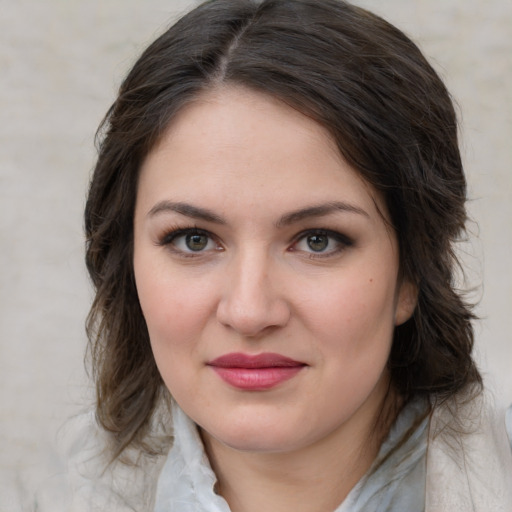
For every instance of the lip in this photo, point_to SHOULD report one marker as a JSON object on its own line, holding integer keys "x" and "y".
{"x": 255, "y": 372}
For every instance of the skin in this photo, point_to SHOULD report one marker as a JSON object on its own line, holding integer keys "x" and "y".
{"x": 259, "y": 284}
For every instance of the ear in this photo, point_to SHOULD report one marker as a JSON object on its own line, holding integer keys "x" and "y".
{"x": 406, "y": 302}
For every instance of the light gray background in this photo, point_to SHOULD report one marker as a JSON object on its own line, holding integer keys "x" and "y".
{"x": 60, "y": 64}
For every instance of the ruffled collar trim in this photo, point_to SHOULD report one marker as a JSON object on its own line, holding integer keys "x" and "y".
{"x": 187, "y": 481}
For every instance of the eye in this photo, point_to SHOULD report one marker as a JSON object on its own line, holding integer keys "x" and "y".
{"x": 317, "y": 243}
{"x": 321, "y": 243}
{"x": 196, "y": 241}
{"x": 189, "y": 241}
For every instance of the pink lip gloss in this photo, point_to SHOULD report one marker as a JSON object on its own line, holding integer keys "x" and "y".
{"x": 255, "y": 373}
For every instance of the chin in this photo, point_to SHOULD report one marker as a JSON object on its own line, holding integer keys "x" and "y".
{"x": 250, "y": 435}
{"x": 256, "y": 443}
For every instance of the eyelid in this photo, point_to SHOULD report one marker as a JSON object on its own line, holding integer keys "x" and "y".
{"x": 174, "y": 232}
{"x": 342, "y": 240}
{"x": 170, "y": 235}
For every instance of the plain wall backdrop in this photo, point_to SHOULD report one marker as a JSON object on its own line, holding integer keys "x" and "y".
{"x": 61, "y": 62}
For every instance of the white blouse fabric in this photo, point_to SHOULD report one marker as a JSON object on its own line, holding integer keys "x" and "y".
{"x": 187, "y": 481}
{"x": 436, "y": 469}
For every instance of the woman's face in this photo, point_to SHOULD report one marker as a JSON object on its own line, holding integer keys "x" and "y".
{"x": 267, "y": 275}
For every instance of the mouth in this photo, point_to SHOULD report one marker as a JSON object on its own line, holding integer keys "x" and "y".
{"x": 255, "y": 372}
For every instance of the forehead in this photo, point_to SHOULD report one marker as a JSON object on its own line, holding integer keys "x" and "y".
{"x": 237, "y": 142}
{"x": 237, "y": 117}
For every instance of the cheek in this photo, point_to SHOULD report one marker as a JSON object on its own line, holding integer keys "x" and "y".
{"x": 175, "y": 312}
{"x": 355, "y": 322}
{"x": 175, "y": 307}
{"x": 356, "y": 312}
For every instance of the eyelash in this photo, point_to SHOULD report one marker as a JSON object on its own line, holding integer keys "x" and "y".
{"x": 341, "y": 240}
{"x": 169, "y": 238}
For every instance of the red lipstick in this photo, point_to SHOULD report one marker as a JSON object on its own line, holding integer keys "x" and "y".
{"x": 255, "y": 372}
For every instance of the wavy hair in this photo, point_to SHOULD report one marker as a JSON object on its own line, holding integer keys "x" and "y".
{"x": 393, "y": 121}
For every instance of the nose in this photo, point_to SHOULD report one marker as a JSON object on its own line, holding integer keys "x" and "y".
{"x": 252, "y": 302}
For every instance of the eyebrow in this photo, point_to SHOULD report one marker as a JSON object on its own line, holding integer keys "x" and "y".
{"x": 196, "y": 212}
{"x": 320, "y": 210}
{"x": 188, "y": 210}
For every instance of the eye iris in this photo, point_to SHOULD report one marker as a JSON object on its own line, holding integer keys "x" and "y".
{"x": 318, "y": 243}
{"x": 196, "y": 241}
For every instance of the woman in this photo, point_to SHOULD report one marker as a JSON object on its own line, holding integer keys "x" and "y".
{"x": 270, "y": 232}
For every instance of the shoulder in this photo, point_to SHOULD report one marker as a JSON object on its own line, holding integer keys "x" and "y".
{"x": 508, "y": 423}
{"x": 469, "y": 461}
{"x": 84, "y": 479}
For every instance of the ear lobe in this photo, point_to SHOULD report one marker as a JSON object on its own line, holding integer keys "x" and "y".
{"x": 406, "y": 302}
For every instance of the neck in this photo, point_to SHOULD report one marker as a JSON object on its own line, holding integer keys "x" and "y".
{"x": 283, "y": 482}
{"x": 313, "y": 478}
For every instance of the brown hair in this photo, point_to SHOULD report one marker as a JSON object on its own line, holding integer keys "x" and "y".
{"x": 394, "y": 122}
